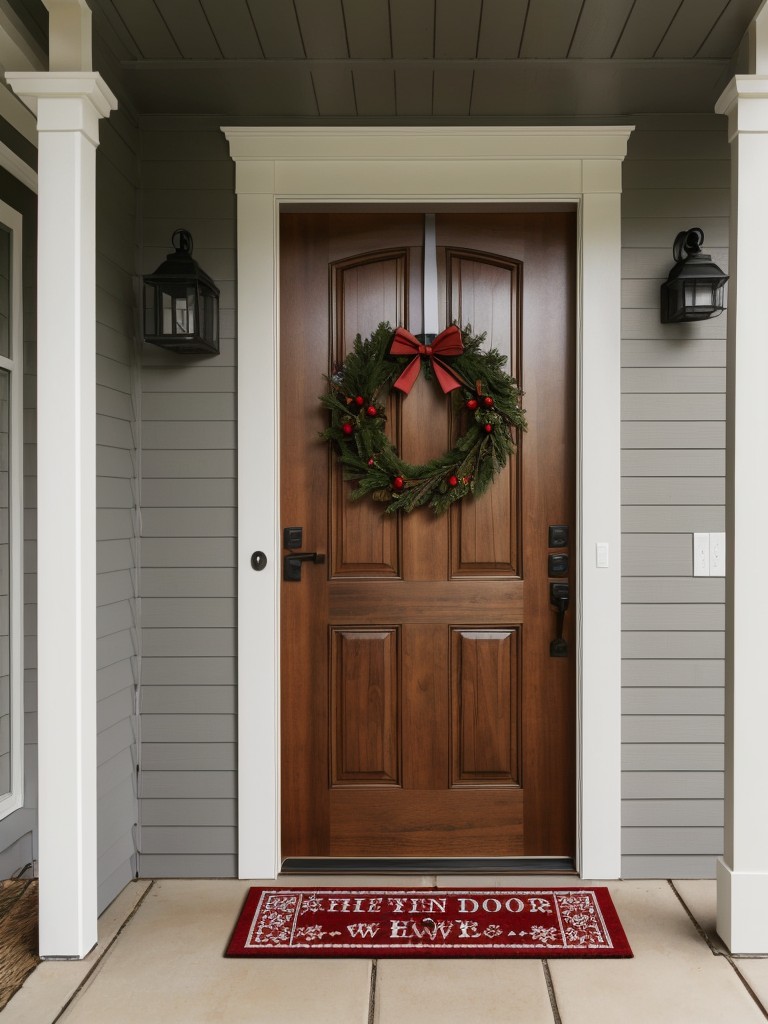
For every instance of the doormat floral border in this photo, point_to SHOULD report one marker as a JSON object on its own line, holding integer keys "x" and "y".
{"x": 374, "y": 923}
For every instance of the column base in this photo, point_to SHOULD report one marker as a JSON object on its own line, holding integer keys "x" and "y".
{"x": 742, "y": 909}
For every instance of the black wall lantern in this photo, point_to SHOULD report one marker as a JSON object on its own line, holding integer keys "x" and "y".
{"x": 694, "y": 288}
{"x": 181, "y": 302}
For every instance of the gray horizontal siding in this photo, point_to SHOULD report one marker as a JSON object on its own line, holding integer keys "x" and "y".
{"x": 188, "y": 548}
{"x": 639, "y": 785}
{"x": 674, "y": 813}
{"x": 668, "y": 865}
{"x": 189, "y": 865}
{"x": 673, "y": 463}
{"x": 170, "y": 784}
{"x": 117, "y": 498}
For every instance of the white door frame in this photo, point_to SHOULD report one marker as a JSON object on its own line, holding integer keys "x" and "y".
{"x": 424, "y": 166}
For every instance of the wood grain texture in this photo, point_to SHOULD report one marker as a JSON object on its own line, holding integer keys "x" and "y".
{"x": 485, "y": 678}
{"x": 402, "y": 726}
{"x": 365, "y": 707}
{"x": 428, "y": 823}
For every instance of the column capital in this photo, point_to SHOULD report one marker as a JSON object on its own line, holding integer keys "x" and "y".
{"x": 65, "y": 101}
{"x": 745, "y": 102}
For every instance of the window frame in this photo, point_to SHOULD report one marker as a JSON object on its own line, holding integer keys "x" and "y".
{"x": 13, "y": 799}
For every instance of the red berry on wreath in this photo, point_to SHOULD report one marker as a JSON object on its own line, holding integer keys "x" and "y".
{"x": 488, "y": 428}
{"x": 488, "y": 401}
{"x": 398, "y": 483}
{"x": 453, "y": 481}
{"x": 472, "y": 403}
{"x": 372, "y": 410}
{"x": 359, "y": 400}
{"x": 371, "y": 462}
{"x": 347, "y": 428}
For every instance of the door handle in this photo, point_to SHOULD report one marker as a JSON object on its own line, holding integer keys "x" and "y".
{"x": 558, "y": 598}
{"x": 292, "y": 564}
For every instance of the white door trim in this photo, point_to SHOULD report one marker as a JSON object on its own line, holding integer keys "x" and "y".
{"x": 424, "y": 166}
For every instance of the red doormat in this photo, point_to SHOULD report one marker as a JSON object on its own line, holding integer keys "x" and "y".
{"x": 429, "y": 923}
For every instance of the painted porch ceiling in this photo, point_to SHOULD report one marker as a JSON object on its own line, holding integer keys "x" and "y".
{"x": 422, "y": 60}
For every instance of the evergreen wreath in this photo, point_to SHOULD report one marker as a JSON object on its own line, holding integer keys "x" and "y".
{"x": 489, "y": 398}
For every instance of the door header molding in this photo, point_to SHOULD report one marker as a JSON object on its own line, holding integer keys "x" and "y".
{"x": 424, "y": 166}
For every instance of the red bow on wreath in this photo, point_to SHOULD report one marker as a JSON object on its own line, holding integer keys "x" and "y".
{"x": 447, "y": 343}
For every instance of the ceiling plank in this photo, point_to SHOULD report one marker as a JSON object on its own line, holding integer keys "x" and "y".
{"x": 501, "y": 29}
{"x": 375, "y": 90}
{"x": 597, "y": 88}
{"x": 727, "y": 33}
{"x": 268, "y": 91}
{"x": 144, "y": 22}
{"x": 334, "y": 90}
{"x": 645, "y": 28}
{"x": 190, "y": 28}
{"x": 278, "y": 30}
{"x": 322, "y": 29}
{"x": 110, "y": 26}
{"x": 546, "y": 89}
{"x": 234, "y": 29}
{"x": 691, "y": 26}
{"x": 457, "y": 27}
{"x": 549, "y": 28}
{"x": 413, "y": 29}
{"x": 413, "y": 91}
{"x": 453, "y": 92}
{"x": 599, "y": 28}
{"x": 368, "y": 33}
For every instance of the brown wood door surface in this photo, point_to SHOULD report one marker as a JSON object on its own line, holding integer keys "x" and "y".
{"x": 422, "y": 713}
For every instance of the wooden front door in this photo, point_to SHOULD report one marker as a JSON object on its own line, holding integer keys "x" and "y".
{"x": 422, "y": 711}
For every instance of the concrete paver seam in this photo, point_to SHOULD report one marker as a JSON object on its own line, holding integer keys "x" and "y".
{"x": 556, "y": 1018}
{"x": 372, "y": 996}
{"x": 97, "y": 966}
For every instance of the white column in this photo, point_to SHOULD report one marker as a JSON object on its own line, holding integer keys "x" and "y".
{"x": 742, "y": 874}
{"x": 599, "y": 502}
{"x": 68, "y": 105}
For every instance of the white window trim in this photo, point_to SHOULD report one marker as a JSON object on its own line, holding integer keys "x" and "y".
{"x": 14, "y": 799}
{"x": 424, "y": 166}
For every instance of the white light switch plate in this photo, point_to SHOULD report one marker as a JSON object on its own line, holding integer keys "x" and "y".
{"x": 701, "y": 554}
{"x": 717, "y": 554}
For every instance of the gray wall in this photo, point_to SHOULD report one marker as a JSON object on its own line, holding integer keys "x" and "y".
{"x": 188, "y": 502}
{"x": 117, "y": 498}
{"x": 673, "y": 437}
{"x": 676, "y": 176}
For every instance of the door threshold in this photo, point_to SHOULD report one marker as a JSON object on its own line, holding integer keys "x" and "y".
{"x": 428, "y": 866}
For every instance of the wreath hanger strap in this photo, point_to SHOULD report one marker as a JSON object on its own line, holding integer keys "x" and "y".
{"x": 447, "y": 343}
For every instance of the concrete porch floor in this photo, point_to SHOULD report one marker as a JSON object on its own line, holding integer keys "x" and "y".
{"x": 159, "y": 959}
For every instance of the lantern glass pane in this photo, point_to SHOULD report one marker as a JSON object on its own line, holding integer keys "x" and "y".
{"x": 211, "y": 321}
{"x": 189, "y": 313}
{"x": 703, "y": 295}
{"x": 150, "y": 326}
{"x": 167, "y": 313}
{"x": 180, "y": 316}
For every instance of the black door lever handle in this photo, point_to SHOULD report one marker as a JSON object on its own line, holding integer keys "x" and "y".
{"x": 292, "y": 564}
{"x": 558, "y": 598}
